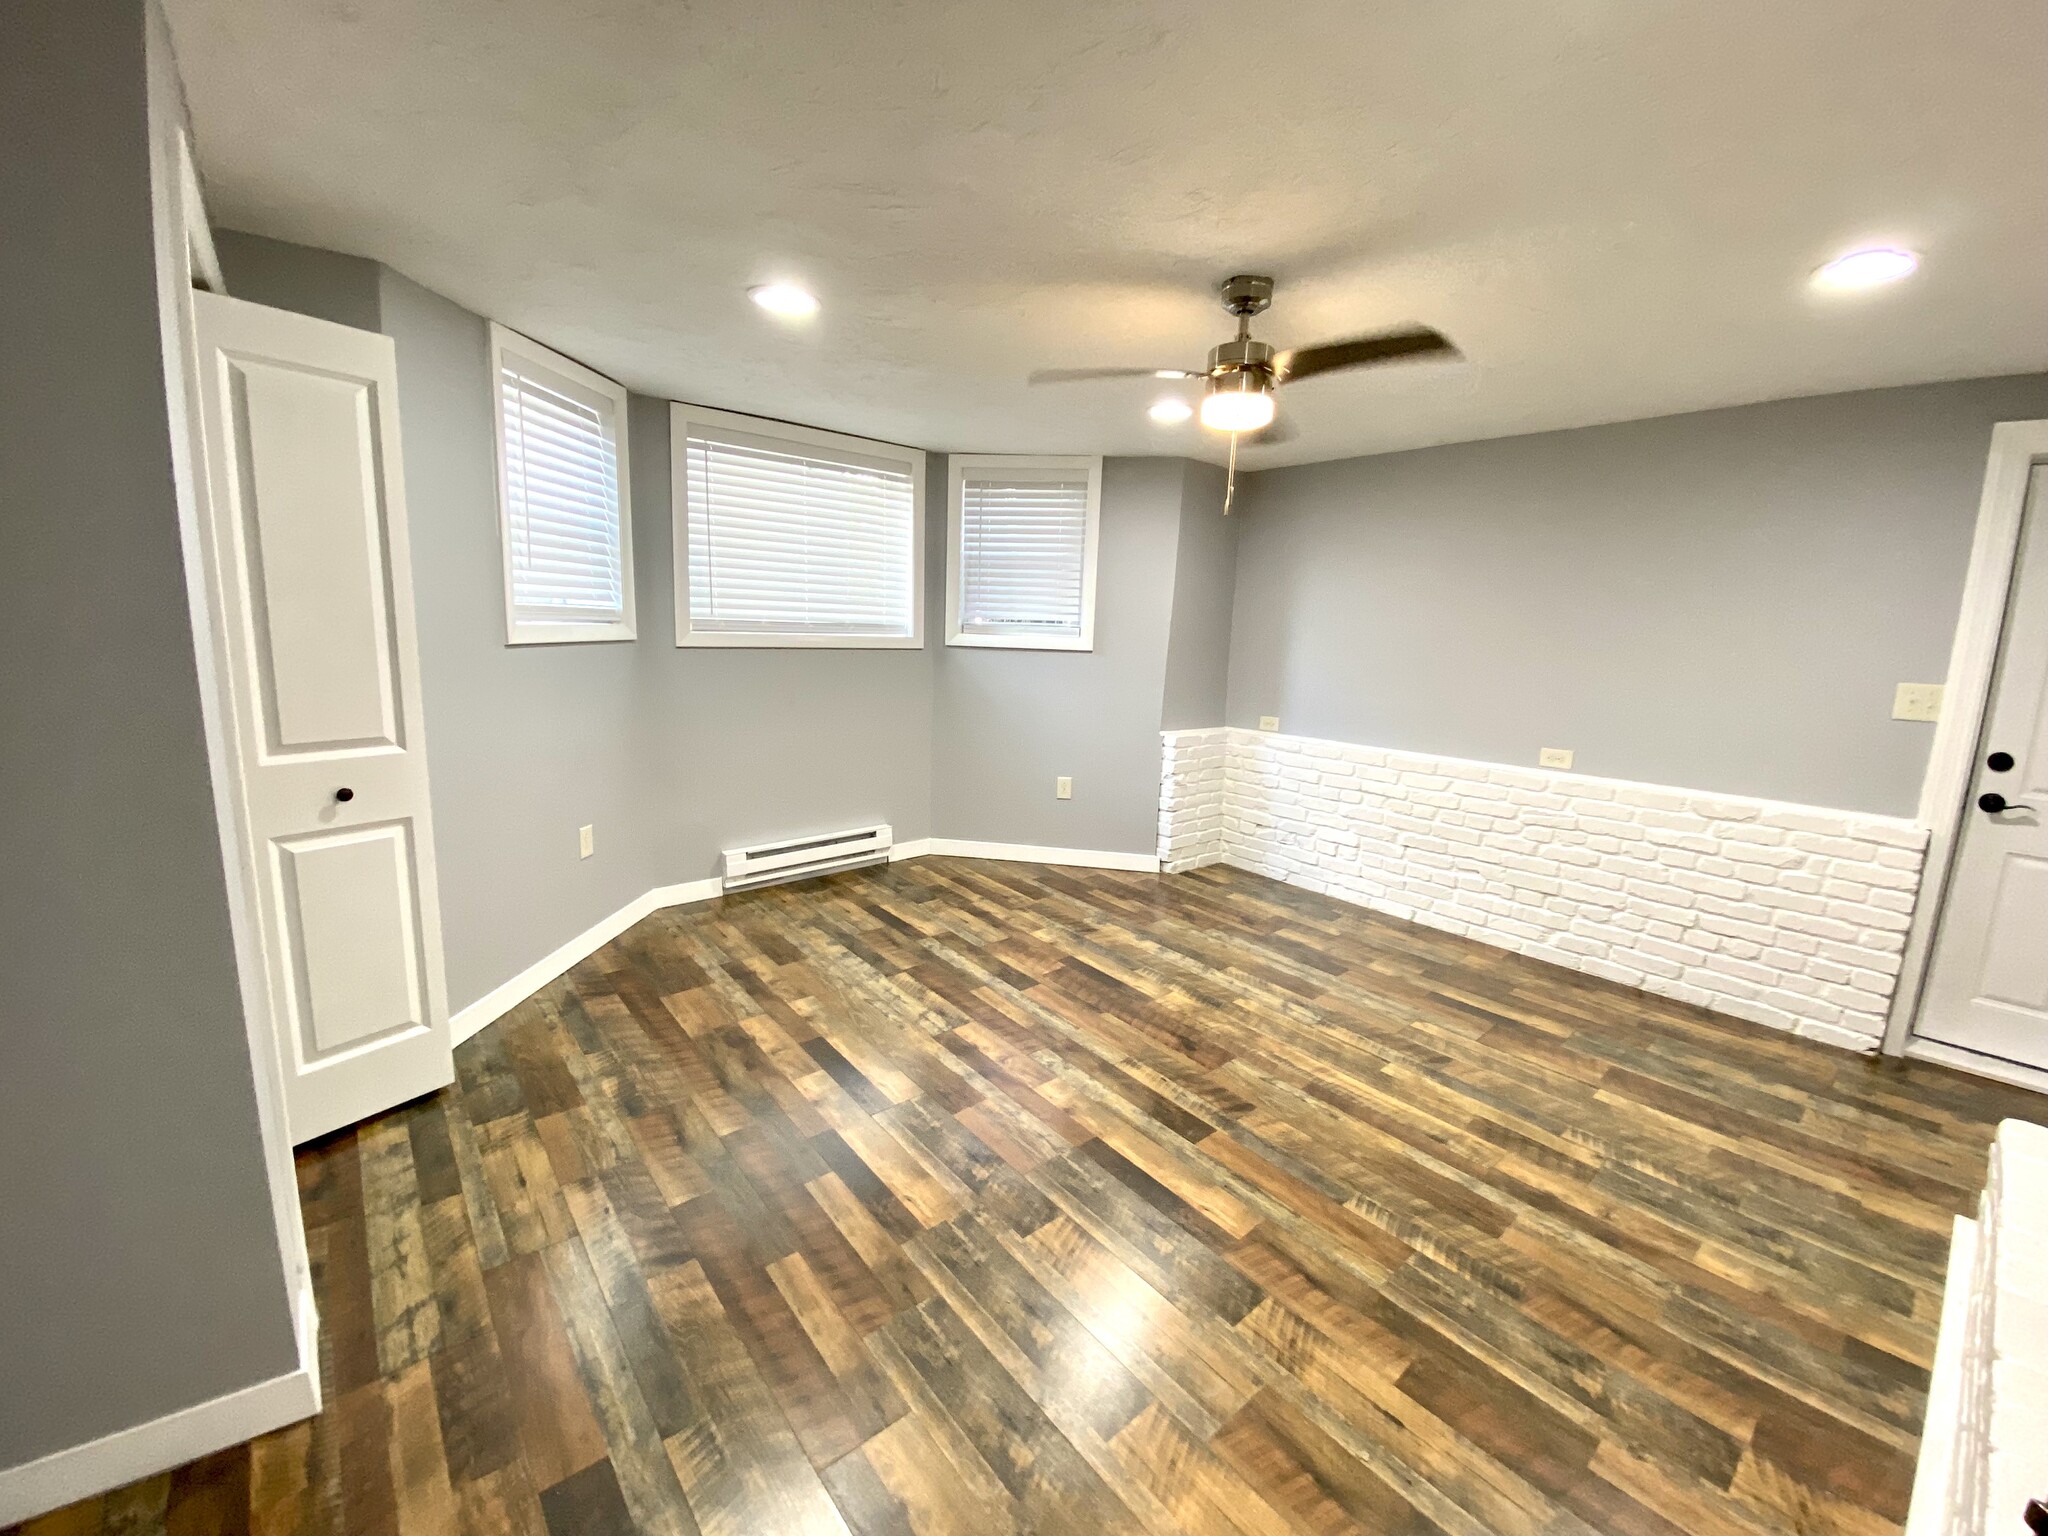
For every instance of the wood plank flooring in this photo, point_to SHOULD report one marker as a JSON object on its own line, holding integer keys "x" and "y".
{"x": 969, "y": 1199}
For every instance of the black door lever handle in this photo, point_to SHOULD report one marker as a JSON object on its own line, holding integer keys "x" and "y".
{"x": 1991, "y": 800}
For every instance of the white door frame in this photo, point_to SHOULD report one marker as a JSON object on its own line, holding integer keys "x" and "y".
{"x": 2016, "y": 447}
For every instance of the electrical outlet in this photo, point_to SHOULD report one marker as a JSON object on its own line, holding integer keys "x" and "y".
{"x": 1554, "y": 757}
{"x": 1269, "y": 722}
{"x": 1063, "y": 789}
{"x": 586, "y": 842}
{"x": 1917, "y": 701}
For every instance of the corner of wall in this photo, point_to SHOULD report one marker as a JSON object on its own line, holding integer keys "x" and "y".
{"x": 1204, "y": 595}
{"x": 303, "y": 278}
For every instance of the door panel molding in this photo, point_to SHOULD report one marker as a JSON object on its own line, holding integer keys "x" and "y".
{"x": 334, "y": 922}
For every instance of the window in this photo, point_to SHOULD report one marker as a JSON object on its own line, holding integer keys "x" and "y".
{"x": 1021, "y": 566}
{"x": 564, "y": 509}
{"x": 788, "y": 536}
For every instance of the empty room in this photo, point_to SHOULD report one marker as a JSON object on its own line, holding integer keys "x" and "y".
{"x": 1005, "y": 770}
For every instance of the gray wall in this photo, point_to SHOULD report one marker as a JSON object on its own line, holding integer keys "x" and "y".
{"x": 1719, "y": 601}
{"x": 743, "y": 746}
{"x": 1204, "y": 584}
{"x": 139, "y": 1267}
{"x": 524, "y": 743}
{"x": 1005, "y": 724}
{"x": 344, "y": 289}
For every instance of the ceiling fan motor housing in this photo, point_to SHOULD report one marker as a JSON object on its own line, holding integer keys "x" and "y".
{"x": 1240, "y": 356}
{"x": 1245, "y": 295}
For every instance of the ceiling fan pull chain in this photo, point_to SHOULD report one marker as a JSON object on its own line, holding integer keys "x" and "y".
{"x": 1230, "y": 479}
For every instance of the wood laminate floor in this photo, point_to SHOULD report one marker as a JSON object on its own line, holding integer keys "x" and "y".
{"x": 964, "y": 1197}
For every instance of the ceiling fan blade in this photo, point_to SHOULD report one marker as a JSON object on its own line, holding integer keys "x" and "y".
{"x": 1361, "y": 352}
{"x": 1081, "y": 375}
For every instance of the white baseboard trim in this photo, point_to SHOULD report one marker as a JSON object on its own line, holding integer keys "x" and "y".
{"x": 1033, "y": 853}
{"x": 1997, "y": 1068}
{"x": 64, "y": 1477}
{"x": 507, "y": 995}
{"x": 916, "y": 848}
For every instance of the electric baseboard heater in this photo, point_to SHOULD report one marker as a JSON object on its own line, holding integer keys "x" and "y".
{"x": 799, "y": 858}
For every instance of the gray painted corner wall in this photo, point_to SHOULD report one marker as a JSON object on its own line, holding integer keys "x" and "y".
{"x": 1005, "y": 724}
{"x": 1204, "y": 582}
{"x": 325, "y": 284}
{"x": 1720, "y": 601}
{"x": 139, "y": 1265}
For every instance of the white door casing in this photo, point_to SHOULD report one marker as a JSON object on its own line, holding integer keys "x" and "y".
{"x": 1987, "y": 986}
{"x": 313, "y": 580}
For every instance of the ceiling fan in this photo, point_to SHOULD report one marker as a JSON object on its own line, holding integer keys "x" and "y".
{"x": 1244, "y": 375}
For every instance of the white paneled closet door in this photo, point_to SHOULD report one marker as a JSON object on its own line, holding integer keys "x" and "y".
{"x": 310, "y": 568}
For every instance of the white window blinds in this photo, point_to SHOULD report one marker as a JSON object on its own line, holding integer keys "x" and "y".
{"x": 1021, "y": 548}
{"x": 564, "y": 524}
{"x": 787, "y": 537}
{"x": 1023, "y": 554}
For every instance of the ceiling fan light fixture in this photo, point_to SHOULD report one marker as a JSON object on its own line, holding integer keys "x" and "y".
{"x": 1170, "y": 411}
{"x": 1238, "y": 402}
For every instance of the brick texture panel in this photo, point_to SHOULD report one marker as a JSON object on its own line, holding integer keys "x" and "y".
{"x": 1786, "y": 915}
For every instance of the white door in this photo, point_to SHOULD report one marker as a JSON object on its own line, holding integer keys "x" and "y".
{"x": 1988, "y": 987}
{"x": 310, "y": 569}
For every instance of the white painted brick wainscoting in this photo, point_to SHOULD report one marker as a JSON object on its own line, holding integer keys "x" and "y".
{"x": 1787, "y": 915}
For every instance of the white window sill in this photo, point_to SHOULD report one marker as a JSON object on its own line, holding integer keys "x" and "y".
{"x": 568, "y": 634}
{"x": 1025, "y": 642}
{"x": 721, "y": 640}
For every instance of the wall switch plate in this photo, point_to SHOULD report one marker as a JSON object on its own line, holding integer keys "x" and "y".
{"x": 586, "y": 841}
{"x": 1554, "y": 757}
{"x": 1269, "y": 722}
{"x": 1063, "y": 789}
{"x": 1917, "y": 701}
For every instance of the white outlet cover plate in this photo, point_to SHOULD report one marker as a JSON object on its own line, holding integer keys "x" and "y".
{"x": 1554, "y": 757}
{"x": 1063, "y": 789}
{"x": 1269, "y": 722}
{"x": 586, "y": 841}
{"x": 1917, "y": 701}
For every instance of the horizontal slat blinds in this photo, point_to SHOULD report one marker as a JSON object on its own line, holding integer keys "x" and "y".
{"x": 787, "y": 538}
{"x": 1023, "y": 553}
{"x": 562, "y": 515}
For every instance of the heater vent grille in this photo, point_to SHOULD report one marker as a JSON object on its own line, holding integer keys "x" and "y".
{"x": 798, "y": 858}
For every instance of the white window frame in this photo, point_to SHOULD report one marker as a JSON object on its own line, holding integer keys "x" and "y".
{"x": 913, "y": 459}
{"x": 509, "y": 343}
{"x": 964, "y": 464}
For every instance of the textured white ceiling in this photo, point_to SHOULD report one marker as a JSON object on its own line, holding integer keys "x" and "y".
{"x": 1612, "y": 205}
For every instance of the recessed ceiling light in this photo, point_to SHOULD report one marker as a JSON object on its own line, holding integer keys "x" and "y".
{"x": 785, "y": 299}
{"x": 1171, "y": 411}
{"x": 1871, "y": 268}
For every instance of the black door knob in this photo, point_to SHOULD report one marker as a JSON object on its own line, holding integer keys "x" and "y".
{"x": 1992, "y": 801}
{"x": 1999, "y": 762}
{"x": 346, "y": 794}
